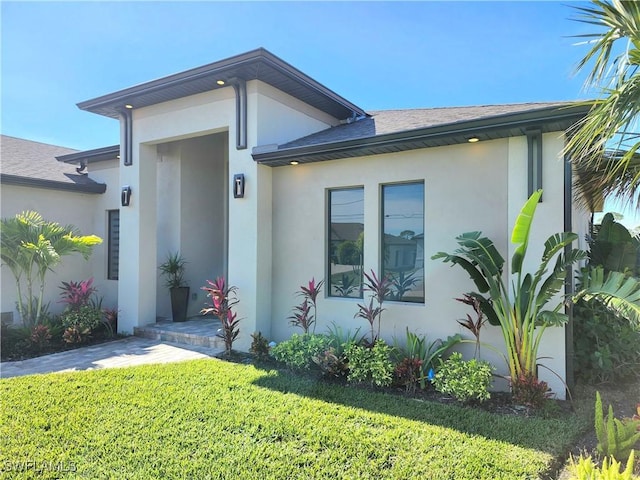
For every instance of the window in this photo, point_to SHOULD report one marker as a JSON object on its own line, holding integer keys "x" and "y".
{"x": 403, "y": 240}
{"x": 534, "y": 155}
{"x": 346, "y": 242}
{"x": 113, "y": 246}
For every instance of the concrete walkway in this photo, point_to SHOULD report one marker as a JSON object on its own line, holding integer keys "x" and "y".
{"x": 119, "y": 353}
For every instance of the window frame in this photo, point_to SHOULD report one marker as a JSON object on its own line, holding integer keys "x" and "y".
{"x": 381, "y": 259}
{"x": 329, "y": 250}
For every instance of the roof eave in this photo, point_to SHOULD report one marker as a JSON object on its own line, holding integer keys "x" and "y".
{"x": 112, "y": 104}
{"x": 94, "y": 188}
{"x": 91, "y": 156}
{"x": 445, "y": 134}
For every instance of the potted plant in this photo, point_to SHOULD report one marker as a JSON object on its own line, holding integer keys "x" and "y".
{"x": 173, "y": 271}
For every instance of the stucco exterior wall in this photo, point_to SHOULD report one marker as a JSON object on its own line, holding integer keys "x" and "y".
{"x": 468, "y": 187}
{"x": 65, "y": 208}
{"x": 249, "y": 232}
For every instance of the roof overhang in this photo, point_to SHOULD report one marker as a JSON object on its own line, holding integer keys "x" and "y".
{"x": 93, "y": 187}
{"x": 551, "y": 119}
{"x": 91, "y": 156}
{"x": 258, "y": 64}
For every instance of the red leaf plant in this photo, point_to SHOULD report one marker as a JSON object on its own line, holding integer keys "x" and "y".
{"x": 223, "y": 300}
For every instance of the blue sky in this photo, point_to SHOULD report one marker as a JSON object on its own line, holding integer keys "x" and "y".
{"x": 379, "y": 55}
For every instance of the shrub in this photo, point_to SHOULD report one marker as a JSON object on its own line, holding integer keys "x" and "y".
{"x": 370, "y": 364}
{"x": 530, "y": 391}
{"x": 408, "y": 373}
{"x": 299, "y": 350}
{"x": 331, "y": 363}
{"x": 605, "y": 344}
{"x": 429, "y": 353}
{"x": 464, "y": 380}
{"x": 40, "y": 337}
{"x": 80, "y": 323}
{"x": 616, "y": 438}
{"x": 259, "y": 346}
{"x": 585, "y": 469}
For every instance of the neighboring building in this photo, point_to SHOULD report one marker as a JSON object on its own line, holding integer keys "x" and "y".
{"x": 253, "y": 170}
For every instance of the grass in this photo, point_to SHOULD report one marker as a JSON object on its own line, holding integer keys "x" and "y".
{"x": 213, "y": 419}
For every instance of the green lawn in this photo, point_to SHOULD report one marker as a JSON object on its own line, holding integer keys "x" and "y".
{"x": 212, "y": 419}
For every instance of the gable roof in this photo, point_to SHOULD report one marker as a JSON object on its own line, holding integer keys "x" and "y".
{"x": 34, "y": 164}
{"x": 259, "y": 64}
{"x": 391, "y": 131}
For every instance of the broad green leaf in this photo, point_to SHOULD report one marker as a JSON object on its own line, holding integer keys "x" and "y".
{"x": 521, "y": 230}
{"x": 552, "y": 319}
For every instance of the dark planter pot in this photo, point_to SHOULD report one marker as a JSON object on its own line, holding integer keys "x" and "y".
{"x": 179, "y": 303}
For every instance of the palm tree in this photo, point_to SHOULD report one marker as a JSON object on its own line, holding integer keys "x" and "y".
{"x": 614, "y": 57}
{"x": 31, "y": 246}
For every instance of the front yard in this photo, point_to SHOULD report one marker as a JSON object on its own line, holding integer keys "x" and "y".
{"x": 214, "y": 419}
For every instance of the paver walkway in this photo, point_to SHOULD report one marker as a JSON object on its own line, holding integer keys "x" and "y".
{"x": 119, "y": 353}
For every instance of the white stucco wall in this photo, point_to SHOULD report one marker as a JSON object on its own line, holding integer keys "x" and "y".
{"x": 249, "y": 233}
{"x": 468, "y": 187}
{"x": 80, "y": 210}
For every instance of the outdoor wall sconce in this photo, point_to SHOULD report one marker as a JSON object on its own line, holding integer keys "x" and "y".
{"x": 125, "y": 196}
{"x": 238, "y": 185}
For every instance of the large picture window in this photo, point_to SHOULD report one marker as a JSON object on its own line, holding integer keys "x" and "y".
{"x": 403, "y": 240}
{"x": 113, "y": 245}
{"x": 346, "y": 242}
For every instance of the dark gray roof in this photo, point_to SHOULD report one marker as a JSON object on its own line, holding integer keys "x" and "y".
{"x": 29, "y": 163}
{"x": 390, "y": 131}
{"x": 257, "y": 64}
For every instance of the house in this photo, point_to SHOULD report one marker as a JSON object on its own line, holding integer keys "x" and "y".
{"x": 254, "y": 170}
{"x": 32, "y": 178}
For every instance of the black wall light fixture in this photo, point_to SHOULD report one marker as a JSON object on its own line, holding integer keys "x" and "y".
{"x": 238, "y": 185}
{"x": 125, "y": 196}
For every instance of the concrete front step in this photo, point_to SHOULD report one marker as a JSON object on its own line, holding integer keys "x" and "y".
{"x": 198, "y": 331}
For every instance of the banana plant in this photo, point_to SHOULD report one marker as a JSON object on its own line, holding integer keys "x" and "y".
{"x": 521, "y": 312}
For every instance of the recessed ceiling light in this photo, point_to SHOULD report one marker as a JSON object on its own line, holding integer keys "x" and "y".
{"x": 220, "y": 82}
{"x": 294, "y": 162}
{"x": 473, "y": 139}
{"x": 129, "y": 106}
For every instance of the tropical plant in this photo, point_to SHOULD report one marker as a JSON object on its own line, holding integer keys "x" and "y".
{"x": 380, "y": 288}
{"x": 408, "y": 373}
{"x": 370, "y": 314}
{"x": 173, "y": 269}
{"x": 31, "y": 246}
{"x": 615, "y": 437}
{"x": 259, "y": 346}
{"x": 522, "y": 316}
{"x": 530, "y": 391}
{"x": 77, "y": 294}
{"x": 429, "y": 353}
{"x": 474, "y": 326}
{"x": 223, "y": 299}
{"x": 586, "y": 469}
{"x": 605, "y": 345}
{"x": 302, "y": 316}
{"x": 464, "y": 380}
{"x": 612, "y": 119}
